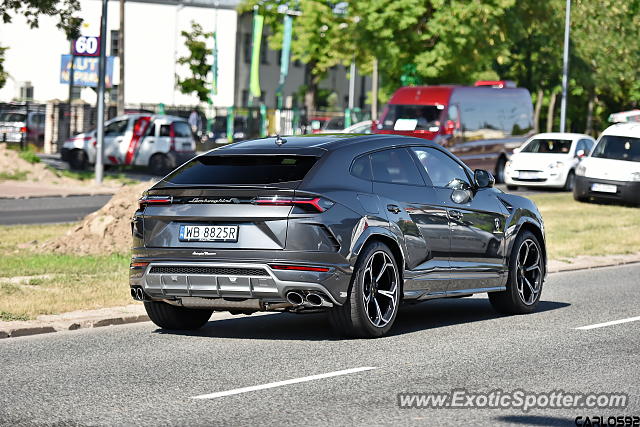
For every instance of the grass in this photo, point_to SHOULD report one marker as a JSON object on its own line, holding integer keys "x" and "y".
{"x": 13, "y": 176}
{"x": 29, "y": 156}
{"x": 90, "y": 176}
{"x": 33, "y": 283}
{"x": 575, "y": 228}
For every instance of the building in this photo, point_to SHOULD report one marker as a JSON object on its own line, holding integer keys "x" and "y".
{"x": 152, "y": 45}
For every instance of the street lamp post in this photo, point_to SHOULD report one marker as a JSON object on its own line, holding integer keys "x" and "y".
{"x": 101, "y": 73}
{"x": 565, "y": 68}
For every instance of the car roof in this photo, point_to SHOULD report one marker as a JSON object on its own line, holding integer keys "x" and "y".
{"x": 624, "y": 129}
{"x": 560, "y": 135}
{"x": 316, "y": 144}
{"x": 164, "y": 117}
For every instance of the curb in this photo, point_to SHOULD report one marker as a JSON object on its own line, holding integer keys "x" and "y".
{"x": 75, "y": 320}
{"x": 135, "y": 313}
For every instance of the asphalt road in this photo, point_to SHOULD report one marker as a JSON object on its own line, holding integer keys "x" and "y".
{"x": 42, "y": 210}
{"x": 137, "y": 374}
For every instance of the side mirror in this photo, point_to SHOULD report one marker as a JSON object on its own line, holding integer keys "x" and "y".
{"x": 483, "y": 179}
{"x": 581, "y": 154}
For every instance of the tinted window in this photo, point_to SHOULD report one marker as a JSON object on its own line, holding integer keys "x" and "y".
{"x": 411, "y": 117}
{"x": 116, "y": 128}
{"x": 618, "y": 148}
{"x": 242, "y": 170}
{"x": 441, "y": 169}
{"x": 395, "y": 166}
{"x": 557, "y": 146}
{"x": 182, "y": 130}
{"x": 12, "y": 117}
{"x": 361, "y": 168}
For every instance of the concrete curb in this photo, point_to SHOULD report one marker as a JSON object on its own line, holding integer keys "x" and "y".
{"x": 74, "y": 320}
{"x": 135, "y": 313}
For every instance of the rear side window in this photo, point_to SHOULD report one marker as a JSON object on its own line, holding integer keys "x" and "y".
{"x": 182, "y": 129}
{"x": 165, "y": 130}
{"x": 395, "y": 166}
{"x": 361, "y": 168}
{"x": 242, "y": 170}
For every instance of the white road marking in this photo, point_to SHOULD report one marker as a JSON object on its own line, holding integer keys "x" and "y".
{"x": 613, "y": 322}
{"x": 281, "y": 383}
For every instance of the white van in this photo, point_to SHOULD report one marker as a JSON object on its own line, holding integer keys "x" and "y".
{"x": 159, "y": 142}
{"x": 612, "y": 171}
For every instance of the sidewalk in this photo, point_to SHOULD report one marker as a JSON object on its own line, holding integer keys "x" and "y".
{"x": 25, "y": 190}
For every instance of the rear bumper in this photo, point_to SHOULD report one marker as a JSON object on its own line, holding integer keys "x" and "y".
{"x": 627, "y": 191}
{"x": 164, "y": 279}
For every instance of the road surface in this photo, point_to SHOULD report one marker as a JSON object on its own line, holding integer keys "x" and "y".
{"x": 137, "y": 374}
{"x": 43, "y": 210}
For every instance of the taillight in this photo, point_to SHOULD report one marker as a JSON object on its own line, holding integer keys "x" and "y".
{"x": 24, "y": 129}
{"x": 172, "y": 138}
{"x": 312, "y": 204}
{"x": 138, "y": 264}
{"x": 154, "y": 200}
{"x": 298, "y": 268}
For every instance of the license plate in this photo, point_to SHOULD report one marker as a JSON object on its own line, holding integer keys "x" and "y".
{"x": 208, "y": 233}
{"x": 528, "y": 175}
{"x": 604, "y": 188}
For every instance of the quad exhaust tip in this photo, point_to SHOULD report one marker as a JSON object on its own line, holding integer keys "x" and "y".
{"x": 137, "y": 294}
{"x": 317, "y": 300}
{"x": 295, "y": 297}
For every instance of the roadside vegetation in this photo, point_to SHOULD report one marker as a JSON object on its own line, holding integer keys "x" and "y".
{"x": 34, "y": 281}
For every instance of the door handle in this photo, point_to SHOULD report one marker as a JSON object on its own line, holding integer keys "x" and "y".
{"x": 455, "y": 214}
{"x": 393, "y": 209}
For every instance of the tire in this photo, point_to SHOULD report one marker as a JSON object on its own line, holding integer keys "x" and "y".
{"x": 77, "y": 160}
{"x": 500, "y": 166}
{"x": 578, "y": 198}
{"x": 353, "y": 318}
{"x": 159, "y": 164}
{"x": 570, "y": 182}
{"x": 526, "y": 250}
{"x": 512, "y": 187}
{"x": 168, "y": 316}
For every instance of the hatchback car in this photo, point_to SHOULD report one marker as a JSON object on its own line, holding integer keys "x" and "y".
{"x": 22, "y": 126}
{"x": 348, "y": 224}
{"x": 548, "y": 160}
{"x": 612, "y": 171}
{"x": 157, "y": 141}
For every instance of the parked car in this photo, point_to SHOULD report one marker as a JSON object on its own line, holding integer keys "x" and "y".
{"x": 19, "y": 126}
{"x": 481, "y": 124}
{"x": 612, "y": 171}
{"x": 349, "y": 224}
{"x": 159, "y": 142}
{"x": 360, "y": 127}
{"x": 548, "y": 160}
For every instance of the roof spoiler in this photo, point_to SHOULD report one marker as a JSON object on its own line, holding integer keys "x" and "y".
{"x": 496, "y": 83}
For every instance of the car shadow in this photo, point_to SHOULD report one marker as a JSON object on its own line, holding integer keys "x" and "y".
{"x": 534, "y": 420}
{"x": 315, "y": 327}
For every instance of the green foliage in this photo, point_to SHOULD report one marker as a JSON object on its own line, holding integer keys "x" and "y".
{"x": 29, "y": 156}
{"x": 65, "y": 10}
{"x": 3, "y": 74}
{"x": 197, "y": 63}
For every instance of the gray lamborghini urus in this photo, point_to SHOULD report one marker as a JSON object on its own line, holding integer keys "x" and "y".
{"x": 352, "y": 225}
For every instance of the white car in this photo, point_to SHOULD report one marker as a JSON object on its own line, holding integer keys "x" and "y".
{"x": 159, "y": 142}
{"x": 548, "y": 160}
{"x": 360, "y": 127}
{"x": 612, "y": 171}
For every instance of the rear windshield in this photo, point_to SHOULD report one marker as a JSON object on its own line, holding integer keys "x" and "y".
{"x": 411, "y": 117}
{"x": 12, "y": 117}
{"x": 556, "y": 146}
{"x": 242, "y": 170}
{"x": 618, "y": 148}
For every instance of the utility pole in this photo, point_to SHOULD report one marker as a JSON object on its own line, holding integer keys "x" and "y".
{"x": 102, "y": 66}
{"x": 565, "y": 68}
{"x": 374, "y": 90}
{"x": 71, "y": 78}
{"x": 121, "y": 60}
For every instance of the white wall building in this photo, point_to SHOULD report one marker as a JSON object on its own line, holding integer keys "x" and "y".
{"x": 152, "y": 44}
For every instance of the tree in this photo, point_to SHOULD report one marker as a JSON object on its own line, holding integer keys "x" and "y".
{"x": 32, "y": 9}
{"x": 3, "y": 74}
{"x": 197, "y": 63}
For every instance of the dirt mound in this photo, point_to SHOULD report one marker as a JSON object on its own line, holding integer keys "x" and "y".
{"x": 105, "y": 231}
{"x": 11, "y": 163}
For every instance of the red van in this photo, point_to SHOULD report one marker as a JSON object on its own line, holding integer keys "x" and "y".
{"x": 480, "y": 124}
